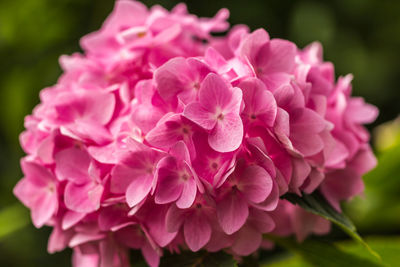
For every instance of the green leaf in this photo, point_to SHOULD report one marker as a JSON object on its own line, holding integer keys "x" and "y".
{"x": 198, "y": 259}
{"x": 12, "y": 219}
{"x": 316, "y": 204}
{"x": 387, "y": 247}
{"x": 319, "y": 253}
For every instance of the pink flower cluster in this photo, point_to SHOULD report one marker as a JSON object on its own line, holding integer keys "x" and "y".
{"x": 161, "y": 136}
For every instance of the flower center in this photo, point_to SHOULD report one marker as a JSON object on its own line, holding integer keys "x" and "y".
{"x": 141, "y": 34}
{"x": 196, "y": 86}
{"x": 214, "y": 165}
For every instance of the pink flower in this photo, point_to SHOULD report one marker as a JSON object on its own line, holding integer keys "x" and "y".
{"x": 134, "y": 175}
{"x": 38, "y": 191}
{"x": 84, "y": 188}
{"x": 195, "y": 222}
{"x": 245, "y": 186}
{"x": 218, "y": 111}
{"x": 176, "y": 179}
{"x": 180, "y": 76}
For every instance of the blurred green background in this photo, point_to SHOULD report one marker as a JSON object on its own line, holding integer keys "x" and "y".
{"x": 359, "y": 36}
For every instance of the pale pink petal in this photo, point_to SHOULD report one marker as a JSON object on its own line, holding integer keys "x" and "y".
{"x": 58, "y": 240}
{"x": 255, "y": 183}
{"x": 307, "y": 144}
{"x": 82, "y": 238}
{"x": 172, "y": 78}
{"x": 83, "y": 198}
{"x": 71, "y": 218}
{"x": 277, "y": 56}
{"x": 72, "y": 164}
{"x": 167, "y": 133}
{"x": 214, "y": 93}
{"x": 138, "y": 189}
{"x": 188, "y": 194}
{"x": 232, "y": 212}
{"x": 197, "y": 231}
{"x": 227, "y": 134}
{"x": 43, "y": 208}
{"x": 251, "y": 46}
{"x": 260, "y": 104}
{"x": 199, "y": 115}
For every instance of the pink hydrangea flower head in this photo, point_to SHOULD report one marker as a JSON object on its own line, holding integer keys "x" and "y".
{"x": 160, "y": 136}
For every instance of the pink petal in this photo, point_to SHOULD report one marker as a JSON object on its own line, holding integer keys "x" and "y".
{"x": 58, "y": 240}
{"x": 341, "y": 185}
{"x": 88, "y": 260}
{"x": 307, "y": 144}
{"x": 277, "y": 56}
{"x": 255, "y": 183}
{"x": 214, "y": 93}
{"x": 138, "y": 189}
{"x": 172, "y": 78}
{"x": 253, "y": 43}
{"x": 259, "y": 102}
{"x": 301, "y": 170}
{"x": 361, "y": 112}
{"x": 197, "y": 231}
{"x": 100, "y": 107}
{"x": 188, "y": 194}
{"x": 261, "y": 221}
{"x": 43, "y": 202}
{"x": 307, "y": 120}
{"x": 37, "y": 174}
{"x": 150, "y": 255}
{"x": 174, "y": 218}
{"x": 82, "y": 238}
{"x": 157, "y": 226}
{"x": 169, "y": 187}
{"x": 247, "y": 241}
{"x": 180, "y": 152}
{"x": 72, "y": 164}
{"x": 228, "y": 134}
{"x": 121, "y": 177}
{"x": 167, "y": 35}
{"x": 87, "y": 131}
{"x": 271, "y": 202}
{"x": 71, "y": 218}
{"x": 232, "y": 212}
{"x": 199, "y": 115}
{"x": 165, "y": 134}
{"x": 83, "y": 198}
{"x": 44, "y": 208}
